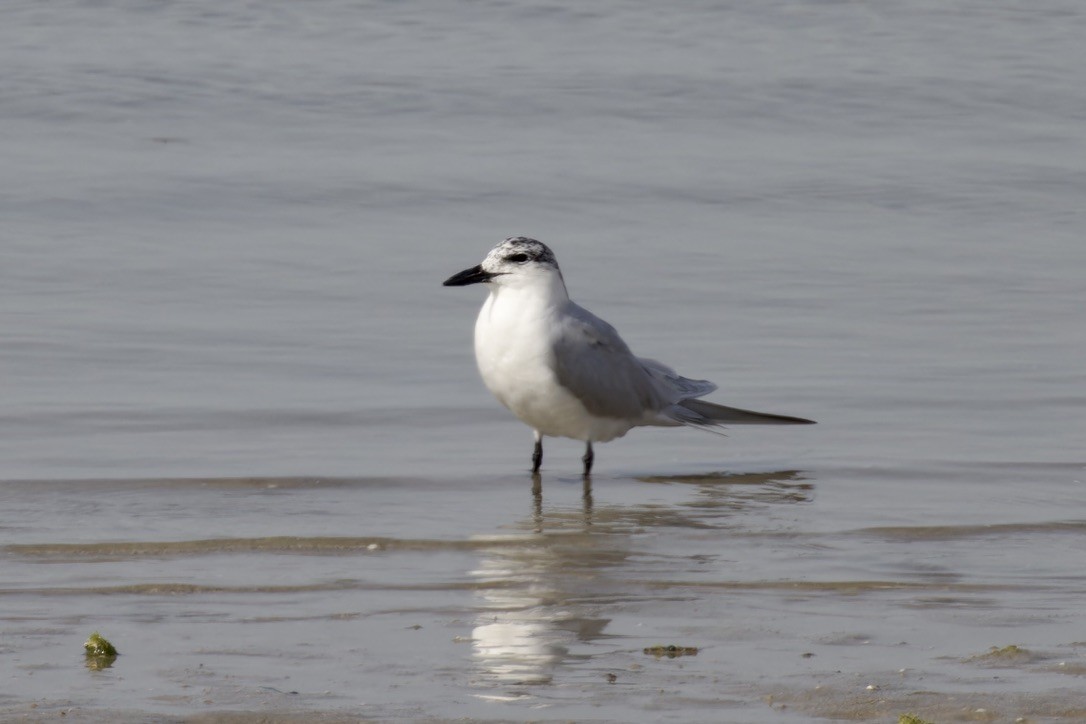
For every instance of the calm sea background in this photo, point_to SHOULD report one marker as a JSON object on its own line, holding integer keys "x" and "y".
{"x": 241, "y": 431}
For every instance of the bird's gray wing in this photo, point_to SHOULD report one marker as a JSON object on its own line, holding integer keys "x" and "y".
{"x": 680, "y": 388}
{"x": 592, "y": 362}
{"x": 699, "y": 413}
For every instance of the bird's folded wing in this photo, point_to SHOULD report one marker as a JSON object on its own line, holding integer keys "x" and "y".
{"x": 682, "y": 387}
{"x": 699, "y": 413}
{"x": 595, "y": 365}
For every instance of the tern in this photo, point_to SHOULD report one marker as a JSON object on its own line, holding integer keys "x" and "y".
{"x": 565, "y": 372}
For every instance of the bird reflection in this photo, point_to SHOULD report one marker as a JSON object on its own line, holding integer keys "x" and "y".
{"x": 537, "y": 502}
{"x": 547, "y": 585}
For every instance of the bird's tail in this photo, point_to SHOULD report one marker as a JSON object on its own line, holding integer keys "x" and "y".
{"x": 707, "y": 415}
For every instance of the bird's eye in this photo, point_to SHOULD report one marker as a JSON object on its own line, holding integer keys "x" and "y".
{"x": 518, "y": 258}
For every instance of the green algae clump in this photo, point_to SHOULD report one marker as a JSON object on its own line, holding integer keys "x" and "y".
{"x": 100, "y": 652}
{"x": 1008, "y": 655}
{"x": 1007, "y": 652}
{"x": 97, "y": 645}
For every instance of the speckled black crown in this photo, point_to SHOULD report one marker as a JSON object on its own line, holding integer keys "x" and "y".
{"x": 536, "y": 250}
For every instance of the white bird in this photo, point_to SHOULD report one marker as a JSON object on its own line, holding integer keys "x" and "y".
{"x": 564, "y": 371}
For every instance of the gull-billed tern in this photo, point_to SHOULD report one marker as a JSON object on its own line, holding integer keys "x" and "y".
{"x": 564, "y": 371}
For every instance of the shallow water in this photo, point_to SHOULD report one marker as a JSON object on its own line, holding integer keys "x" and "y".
{"x": 243, "y": 437}
{"x": 420, "y": 598}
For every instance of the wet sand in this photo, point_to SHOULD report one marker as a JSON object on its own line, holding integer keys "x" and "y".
{"x": 289, "y": 599}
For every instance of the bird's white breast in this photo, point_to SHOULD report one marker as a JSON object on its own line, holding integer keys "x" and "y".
{"x": 514, "y": 348}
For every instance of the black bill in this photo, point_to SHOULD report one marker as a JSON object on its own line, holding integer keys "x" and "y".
{"x": 475, "y": 275}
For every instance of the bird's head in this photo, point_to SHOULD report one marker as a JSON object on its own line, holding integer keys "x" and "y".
{"x": 516, "y": 261}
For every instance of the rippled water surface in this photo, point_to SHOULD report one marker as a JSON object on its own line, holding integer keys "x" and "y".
{"x": 241, "y": 433}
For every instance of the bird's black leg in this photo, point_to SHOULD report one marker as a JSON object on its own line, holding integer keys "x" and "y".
{"x": 537, "y": 454}
{"x": 587, "y": 459}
